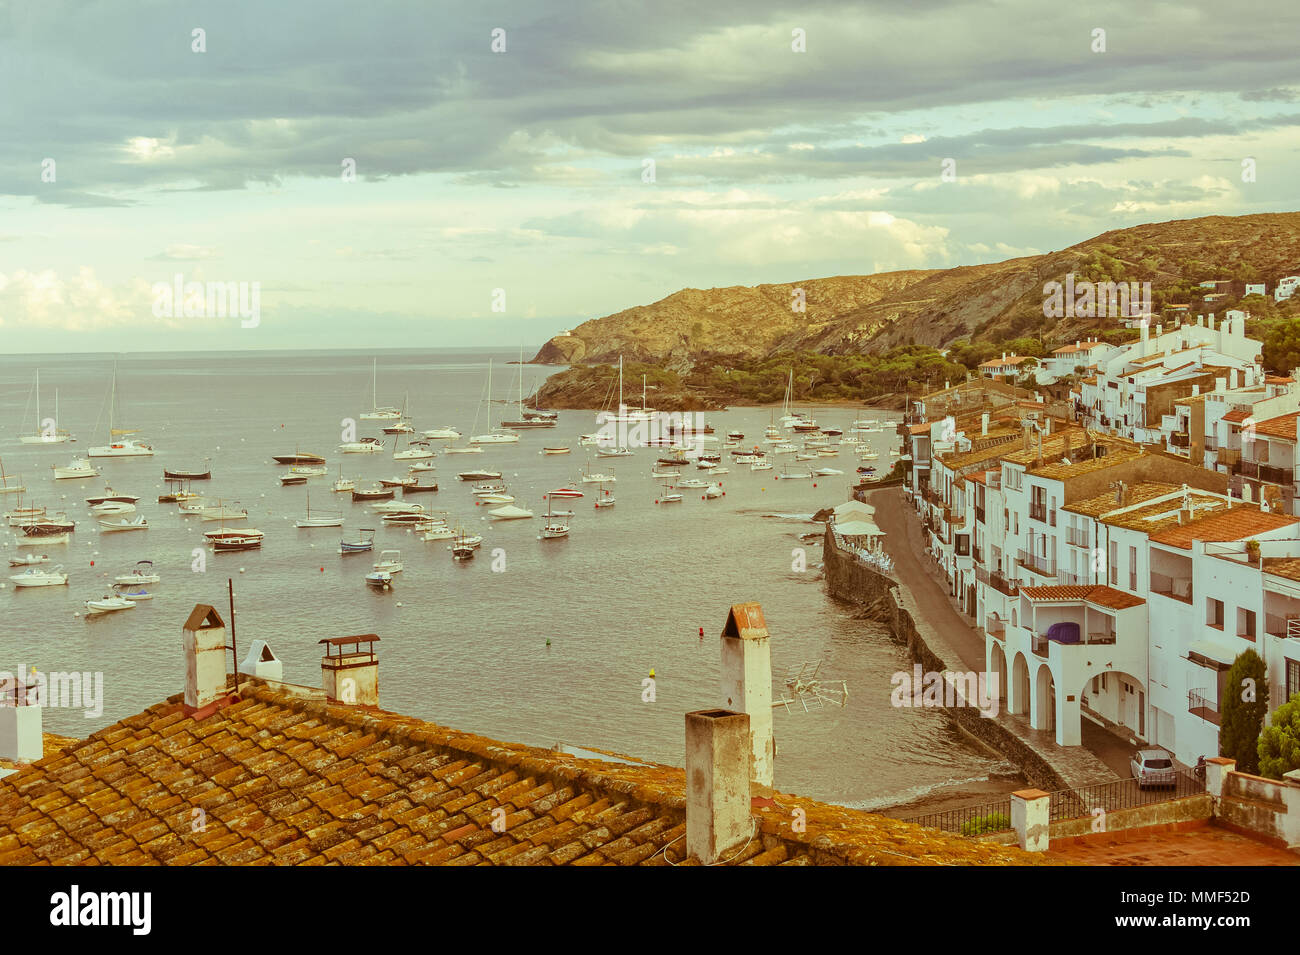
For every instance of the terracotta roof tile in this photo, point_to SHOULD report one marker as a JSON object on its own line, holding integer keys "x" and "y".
{"x": 1283, "y": 426}
{"x": 288, "y": 781}
{"x": 1236, "y": 524}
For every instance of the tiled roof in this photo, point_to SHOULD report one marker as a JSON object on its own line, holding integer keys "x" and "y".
{"x": 1238, "y": 523}
{"x": 1237, "y": 415}
{"x": 1163, "y": 515}
{"x": 1283, "y": 426}
{"x": 1099, "y": 594}
{"x": 1277, "y": 380}
{"x": 286, "y": 780}
{"x": 919, "y": 429}
{"x": 1009, "y": 360}
{"x": 1103, "y": 503}
{"x": 1060, "y": 471}
{"x": 1288, "y": 567}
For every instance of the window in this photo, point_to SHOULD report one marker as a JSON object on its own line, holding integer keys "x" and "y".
{"x": 1133, "y": 568}
{"x": 1114, "y": 562}
{"x": 1292, "y": 678}
{"x": 1214, "y": 613}
{"x": 1245, "y": 623}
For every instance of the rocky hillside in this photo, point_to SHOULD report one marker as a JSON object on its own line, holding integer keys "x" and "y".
{"x": 872, "y": 313}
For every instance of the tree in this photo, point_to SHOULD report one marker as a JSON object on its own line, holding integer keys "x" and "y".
{"x": 1279, "y": 744}
{"x": 1241, "y": 710}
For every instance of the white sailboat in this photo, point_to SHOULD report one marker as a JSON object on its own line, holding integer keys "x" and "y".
{"x": 624, "y": 413}
{"x": 125, "y": 447}
{"x": 387, "y": 413}
{"x": 493, "y": 436}
{"x": 6, "y": 485}
{"x": 553, "y": 529}
{"x": 328, "y": 519}
{"x": 42, "y": 434}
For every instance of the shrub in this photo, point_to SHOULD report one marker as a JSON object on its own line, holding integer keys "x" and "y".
{"x": 993, "y": 822}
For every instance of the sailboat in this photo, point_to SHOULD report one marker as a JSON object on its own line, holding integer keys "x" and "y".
{"x": 44, "y": 435}
{"x": 5, "y": 486}
{"x": 387, "y": 413}
{"x": 126, "y": 447}
{"x": 493, "y": 436}
{"x": 788, "y": 417}
{"x": 553, "y": 529}
{"x": 669, "y": 496}
{"x": 605, "y": 499}
{"x": 330, "y": 519}
{"x": 527, "y": 419}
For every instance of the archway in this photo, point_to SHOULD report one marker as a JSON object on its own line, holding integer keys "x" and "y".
{"x": 998, "y": 672}
{"x": 1045, "y": 700}
{"x": 1018, "y": 699}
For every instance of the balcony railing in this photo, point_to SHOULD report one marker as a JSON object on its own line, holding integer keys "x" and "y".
{"x": 1198, "y": 704}
{"x": 1044, "y": 564}
{"x": 978, "y": 554}
{"x": 1180, "y": 441}
{"x": 1038, "y": 643}
{"x": 1078, "y": 536}
{"x": 1283, "y": 476}
{"x": 979, "y": 514}
{"x": 996, "y": 581}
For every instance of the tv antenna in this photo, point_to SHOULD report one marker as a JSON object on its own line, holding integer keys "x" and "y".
{"x": 804, "y": 687}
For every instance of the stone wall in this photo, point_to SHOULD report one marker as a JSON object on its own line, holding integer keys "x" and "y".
{"x": 884, "y": 600}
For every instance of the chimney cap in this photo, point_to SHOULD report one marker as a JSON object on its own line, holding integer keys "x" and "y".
{"x": 745, "y": 621}
{"x": 203, "y": 617}
{"x": 341, "y": 642}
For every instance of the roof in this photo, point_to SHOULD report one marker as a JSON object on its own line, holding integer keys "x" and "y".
{"x": 1238, "y": 523}
{"x": 1162, "y": 515}
{"x": 1283, "y": 426}
{"x": 858, "y": 529}
{"x": 1104, "y": 503}
{"x": 1009, "y": 360}
{"x": 919, "y": 429}
{"x": 286, "y": 780}
{"x": 1099, "y": 594}
{"x": 1082, "y": 346}
{"x": 1237, "y": 415}
{"x": 1061, "y": 471}
{"x": 1288, "y": 567}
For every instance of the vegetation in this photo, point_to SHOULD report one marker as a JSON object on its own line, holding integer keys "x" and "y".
{"x": 993, "y": 822}
{"x": 1279, "y": 744}
{"x": 1242, "y": 710}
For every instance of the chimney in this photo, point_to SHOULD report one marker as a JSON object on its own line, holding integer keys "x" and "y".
{"x": 1160, "y": 330}
{"x": 1069, "y": 441}
{"x": 1200, "y": 321}
{"x": 747, "y": 682}
{"x": 1025, "y": 438}
{"x": 984, "y": 423}
{"x": 349, "y": 674}
{"x": 718, "y": 758}
{"x": 1039, "y": 456}
{"x": 1184, "y": 515}
{"x": 262, "y": 663}
{"x": 204, "y": 639}
{"x": 1126, "y": 494}
{"x": 1232, "y": 378}
{"x": 21, "y": 738}
{"x": 1119, "y": 493}
{"x": 1004, "y": 356}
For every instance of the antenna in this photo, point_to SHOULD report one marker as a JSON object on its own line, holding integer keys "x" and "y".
{"x": 803, "y": 687}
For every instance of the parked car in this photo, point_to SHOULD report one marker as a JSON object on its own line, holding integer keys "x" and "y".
{"x": 1152, "y": 767}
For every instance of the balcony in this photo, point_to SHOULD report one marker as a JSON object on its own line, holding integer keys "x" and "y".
{"x": 1078, "y": 536}
{"x": 1044, "y": 564}
{"x": 979, "y": 515}
{"x": 1228, "y": 456}
{"x": 978, "y": 554}
{"x": 996, "y": 581}
{"x": 1272, "y": 475}
{"x": 1198, "y": 704}
{"x": 1177, "y": 440}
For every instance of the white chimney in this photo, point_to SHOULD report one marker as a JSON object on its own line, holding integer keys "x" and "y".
{"x": 349, "y": 674}
{"x": 262, "y": 663}
{"x": 21, "y": 739}
{"x": 204, "y": 639}
{"x": 718, "y": 757}
{"x": 747, "y": 682}
{"x": 984, "y": 423}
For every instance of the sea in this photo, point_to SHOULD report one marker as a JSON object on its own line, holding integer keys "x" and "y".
{"x": 543, "y": 642}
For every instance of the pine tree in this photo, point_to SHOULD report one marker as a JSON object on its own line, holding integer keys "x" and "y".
{"x": 1241, "y": 709}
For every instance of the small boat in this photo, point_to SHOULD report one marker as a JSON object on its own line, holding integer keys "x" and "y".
{"x": 48, "y": 526}
{"x": 718, "y": 470}
{"x": 784, "y": 449}
{"x": 496, "y": 498}
{"x": 604, "y": 498}
{"x": 760, "y": 466}
{"x": 108, "y": 496}
{"x": 364, "y": 543}
{"x": 329, "y": 519}
{"x": 414, "y": 454}
{"x": 566, "y": 492}
{"x": 452, "y": 449}
{"x": 713, "y": 491}
{"x": 665, "y": 474}
{"x": 107, "y": 604}
{"x": 373, "y": 493}
{"x": 420, "y": 468}
{"x": 557, "y": 450}
{"x": 478, "y": 475}
{"x": 828, "y": 452}
{"x": 5, "y": 486}
{"x": 308, "y": 470}
{"x": 482, "y": 489}
{"x": 390, "y": 561}
{"x": 419, "y": 488}
{"x": 113, "y": 507}
{"x": 53, "y": 538}
{"x": 692, "y": 483}
{"x": 613, "y": 452}
{"x": 707, "y": 465}
{"x": 553, "y": 529}
{"x": 297, "y": 457}
{"x": 866, "y": 470}
{"x": 143, "y": 574}
{"x": 364, "y": 446}
{"x": 895, "y": 453}
{"x": 78, "y": 468}
{"x": 676, "y": 461}
{"x": 669, "y": 497}
{"x": 380, "y": 579}
{"x": 788, "y": 475}
{"x": 343, "y": 485}
{"x": 867, "y": 455}
{"x": 460, "y": 551}
{"x": 735, "y": 436}
{"x": 442, "y": 434}
{"x": 221, "y": 541}
{"x": 131, "y": 592}
{"x": 597, "y": 478}
{"x": 398, "y": 507}
{"x": 32, "y": 577}
{"x": 179, "y": 475}
{"x": 827, "y": 472}
{"x": 832, "y": 432}
{"x": 406, "y": 520}
{"x": 292, "y": 480}
{"x": 401, "y": 427}
{"x": 438, "y": 532}
{"x": 124, "y": 524}
{"x": 510, "y": 512}
{"x": 398, "y": 482}
{"x": 223, "y": 512}
{"x": 29, "y": 561}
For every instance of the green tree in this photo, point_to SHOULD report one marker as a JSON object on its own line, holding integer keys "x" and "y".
{"x": 1279, "y": 744}
{"x": 1241, "y": 710}
{"x": 1281, "y": 349}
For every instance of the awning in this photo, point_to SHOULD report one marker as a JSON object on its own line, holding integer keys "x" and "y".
{"x": 858, "y": 529}
{"x": 1207, "y": 653}
{"x": 853, "y": 507}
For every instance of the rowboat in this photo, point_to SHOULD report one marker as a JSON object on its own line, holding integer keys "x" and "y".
{"x": 221, "y": 541}
{"x": 364, "y": 543}
{"x": 124, "y": 524}
{"x": 373, "y": 494}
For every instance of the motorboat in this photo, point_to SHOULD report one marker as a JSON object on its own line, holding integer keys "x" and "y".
{"x": 414, "y": 454}
{"x": 441, "y": 434}
{"x": 420, "y": 468}
{"x": 34, "y": 577}
{"x": 613, "y": 452}
{"x": 478, "y": 475}
{"x": 308, "y": 470}
{"x": 807, "y": 456}
{"x": 713, "y": 491}
{"x": 108, "y": 496}
{"x": 566, "y": 492}
{"x": 760, "y": 466}
{"x": 364, "y": 446}
{"x": 223, "y": 512}
{"x": 557, "y": 450}
{"x": 389, "y": 560}
{"x": 788, "y": 475}
{"x": 182, "y": 475}
{"x": 143, "y": 573}
{"x": 398, "y": 507}
{"x": 735, "y": 436}
{"x": 406, "y": 520}
{"x": 398, "y": 481}
{"x": 454, "y": 449}
{"x": 30, "y": 560}
{"x": 598, "y": 477}
{"x": 380, "y": 579}
{"x": 373, "y": 493}
{"x": 78, "y": 468}
{"x": 112, "y": 507}
{"x": 124, "y": 524}
{"x": 363, "y": 543}
{"x": 401, "y": 427}
{"x": 784, "y": 449}
{"x": 670, "y": 473}
{"x": 107, "y": 604}
{"x": 692, "y": 483}
{"x": 438, "y": 532}
{"x": 496, "y": 498}
{"x": 827, "y": 472}
{"x": 131, "y": 592}
{"x": 298, "y": 457}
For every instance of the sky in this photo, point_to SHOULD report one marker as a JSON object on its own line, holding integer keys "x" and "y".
{"x": 490, "y": 173}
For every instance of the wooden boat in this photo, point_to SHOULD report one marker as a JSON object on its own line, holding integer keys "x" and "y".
{"x": 236, "y": 540}
{"x": 179, "y": 475}
{"x": 373, "y": 494}
{"x": 49, "y": 526}
{"x": 292, "y": 480}
{"x": 398, "y": 482}
{"x": 419, "y": 488}
{"x": 364, "y": 543}
{"x": 297, "y": 457}
{"x": 108, "y": 496}
{"x": 557, "y": 450}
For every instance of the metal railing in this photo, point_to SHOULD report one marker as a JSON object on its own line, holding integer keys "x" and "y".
{"x": 1079, "y": 803}
{"x": 1044, "y": 564}
{"x": 969, "y": 820}
{"x": 1198, "y": 704}
{"x": 997, "y": 581}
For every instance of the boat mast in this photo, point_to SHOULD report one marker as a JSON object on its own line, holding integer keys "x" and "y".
{"x": 489, "y": 395}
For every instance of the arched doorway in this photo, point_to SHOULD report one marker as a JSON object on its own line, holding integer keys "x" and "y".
{"x": 1045, "y": 700}
{"x": 1018, "y": 702}
{"x": 998, "y": 672}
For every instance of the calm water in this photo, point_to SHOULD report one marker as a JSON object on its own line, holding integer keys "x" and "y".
{"x": 461, "y": 645}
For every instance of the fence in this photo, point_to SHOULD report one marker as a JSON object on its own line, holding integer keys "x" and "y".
{"x": 968, "y": 820}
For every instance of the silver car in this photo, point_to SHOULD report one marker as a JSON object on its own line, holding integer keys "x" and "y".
{"x": 1152, "y": 767}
